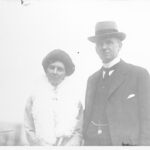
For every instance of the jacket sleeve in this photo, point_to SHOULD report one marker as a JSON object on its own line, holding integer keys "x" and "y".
{"x": 89, "y": 97}
{"x": 29, "y": 124}
{"x": 144, "y": 107}
{"x": 85, "y": 116}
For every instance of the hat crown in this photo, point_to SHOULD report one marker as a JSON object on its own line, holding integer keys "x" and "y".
{"x": 106, "y": 26}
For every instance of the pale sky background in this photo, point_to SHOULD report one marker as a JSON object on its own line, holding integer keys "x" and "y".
{"x": 28, "y": 33}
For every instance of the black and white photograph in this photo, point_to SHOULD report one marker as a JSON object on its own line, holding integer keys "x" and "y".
{"x": 75, "y": 73}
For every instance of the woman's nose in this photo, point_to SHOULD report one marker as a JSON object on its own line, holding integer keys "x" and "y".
{"x": 55, "y": 70}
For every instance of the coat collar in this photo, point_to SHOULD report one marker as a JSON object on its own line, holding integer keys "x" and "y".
{"x": 118, "y": 77}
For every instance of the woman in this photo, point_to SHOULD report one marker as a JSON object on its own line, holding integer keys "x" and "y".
{"x": 53, "y": 113}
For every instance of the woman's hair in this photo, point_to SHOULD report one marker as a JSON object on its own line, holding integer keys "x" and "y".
{"x": 59, "y": 55}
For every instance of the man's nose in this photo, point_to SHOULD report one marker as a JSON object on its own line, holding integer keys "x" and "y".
{"x": 104, "y": 45}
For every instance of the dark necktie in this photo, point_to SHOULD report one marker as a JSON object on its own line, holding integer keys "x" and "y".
{"x": 107, "y": 71}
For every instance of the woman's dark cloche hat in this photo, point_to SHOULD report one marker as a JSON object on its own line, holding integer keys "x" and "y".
{"x": 59, "y": 55}
{"x": 106, "y": 29}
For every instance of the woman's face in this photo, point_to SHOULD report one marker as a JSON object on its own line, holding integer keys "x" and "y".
{"x": 56, "y": 73}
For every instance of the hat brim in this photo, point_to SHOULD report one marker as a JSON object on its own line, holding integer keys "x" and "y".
{"x": 118, "y": 35}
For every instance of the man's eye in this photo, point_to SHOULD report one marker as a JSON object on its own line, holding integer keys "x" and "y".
{"x": 108, "y": 42}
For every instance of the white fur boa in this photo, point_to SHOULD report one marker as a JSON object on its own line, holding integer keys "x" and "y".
{"x": 54, "y": 111}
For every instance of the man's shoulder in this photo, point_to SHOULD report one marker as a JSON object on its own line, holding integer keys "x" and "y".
{"x": 94, "y": 75}
{"x": 136, "y": 68}
{"x": 131, "y": 68}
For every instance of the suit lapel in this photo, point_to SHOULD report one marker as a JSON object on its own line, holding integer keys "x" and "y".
{"x": 118, "y": 77}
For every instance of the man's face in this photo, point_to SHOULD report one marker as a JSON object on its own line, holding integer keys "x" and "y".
{"x": 108, "y": 49}
{"x": 56, "y": 73}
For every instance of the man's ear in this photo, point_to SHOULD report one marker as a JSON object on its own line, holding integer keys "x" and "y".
{"x": 120, "y": 44}
{"x": 96, "y": 48}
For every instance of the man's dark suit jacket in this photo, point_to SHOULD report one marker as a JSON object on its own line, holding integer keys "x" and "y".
{"x": 128, "y": 104}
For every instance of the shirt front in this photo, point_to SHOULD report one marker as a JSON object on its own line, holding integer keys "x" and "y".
{"x": 109, "y": 65}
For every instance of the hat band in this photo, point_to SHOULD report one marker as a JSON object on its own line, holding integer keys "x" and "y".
{"x": 106, "y": 31}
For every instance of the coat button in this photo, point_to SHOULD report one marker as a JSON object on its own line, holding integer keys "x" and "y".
{"x": 99, "y": 131}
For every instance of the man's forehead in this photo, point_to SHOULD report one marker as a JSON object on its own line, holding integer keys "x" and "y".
{"x": 104, "y": 39}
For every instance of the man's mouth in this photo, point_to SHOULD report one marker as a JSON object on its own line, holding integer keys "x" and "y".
{"x": 106, "y": 50}
{"x": 106, "y": 53}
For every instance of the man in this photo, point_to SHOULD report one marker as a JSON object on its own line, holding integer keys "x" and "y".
{"x": 53, "y": 114}
{"x": 117, "y": 105}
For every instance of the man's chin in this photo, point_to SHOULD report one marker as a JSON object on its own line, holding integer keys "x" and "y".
{"x": 54, "y": 84}
{"x": 107, "y": 61}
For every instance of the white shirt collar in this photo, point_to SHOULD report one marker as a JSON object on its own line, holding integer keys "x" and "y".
{"x": 61, "y": 85}
{"x": 112, "y": 63}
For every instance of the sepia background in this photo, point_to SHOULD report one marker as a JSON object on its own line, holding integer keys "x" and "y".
{"x": 29, "y": 29}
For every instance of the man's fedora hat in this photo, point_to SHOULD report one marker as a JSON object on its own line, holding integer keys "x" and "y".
{"x": 106, "y": 29}
{"x": 59, "y": 55}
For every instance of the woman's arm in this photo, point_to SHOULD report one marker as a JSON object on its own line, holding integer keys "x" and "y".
{"x": 29, "y": 124}
{"x": 76, "y": 139}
